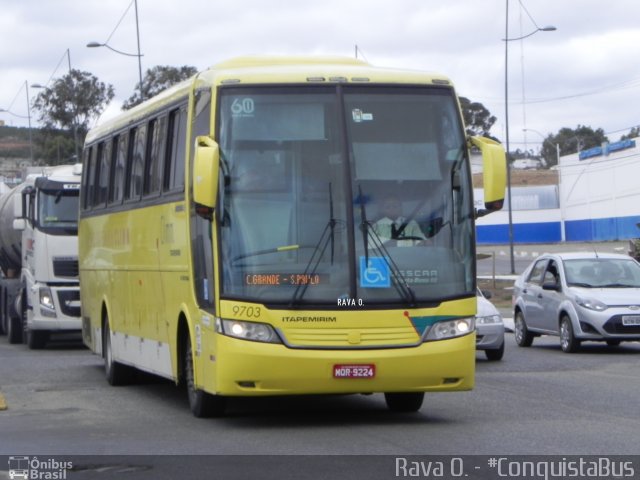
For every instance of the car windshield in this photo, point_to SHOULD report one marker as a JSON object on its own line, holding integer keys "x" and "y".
{"x": 602, "y": 272}
{"x": 314, "y": 176}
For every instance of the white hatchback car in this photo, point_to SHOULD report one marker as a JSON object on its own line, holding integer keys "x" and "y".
{"x": 578, "y": 296}
{"x": 489, "y": 329}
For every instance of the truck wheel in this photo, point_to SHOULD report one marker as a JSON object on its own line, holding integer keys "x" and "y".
{"x": 15, "y": 325}
{"x": 37, "y": 339}
{"x": 3, "y": 311}
{"x": 14, "y": 330}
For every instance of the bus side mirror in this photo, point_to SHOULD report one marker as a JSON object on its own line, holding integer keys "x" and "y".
{"x": 205, "y": 175}
{"x": 494, "y": 172}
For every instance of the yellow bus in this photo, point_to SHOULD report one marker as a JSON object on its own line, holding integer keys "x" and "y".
{"x": 233, "y": 236}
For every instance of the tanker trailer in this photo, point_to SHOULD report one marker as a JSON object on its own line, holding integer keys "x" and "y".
{"x": 10, "y": 265}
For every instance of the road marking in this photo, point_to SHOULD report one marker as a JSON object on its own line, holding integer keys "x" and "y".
{"x": 3, "y": 403}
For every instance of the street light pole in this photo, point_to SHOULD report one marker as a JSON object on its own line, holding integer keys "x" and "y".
{"x": 506, "y": 40}
{"x": 139, "y": 55}
{"x": 506, "y": 132}
{"x": 74, "y": 117}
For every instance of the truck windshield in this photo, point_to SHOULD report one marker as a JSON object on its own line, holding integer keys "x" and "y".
{"x": 336, "y": 193}
{"x": 58, "y": 211}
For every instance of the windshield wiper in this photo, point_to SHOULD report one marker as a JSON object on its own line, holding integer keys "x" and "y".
{"x": 580, "y": 284}
{"x": 364, "y": 225}
{"x": 399, "y": 282}
{"x": 618, "y": 285}
{"x": 327, "y": 237}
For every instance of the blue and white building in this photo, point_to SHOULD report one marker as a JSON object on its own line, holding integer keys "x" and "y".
{"x": 597, "y": 199}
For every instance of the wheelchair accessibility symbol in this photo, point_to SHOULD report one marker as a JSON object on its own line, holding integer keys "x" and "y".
{"x": 376, "y": 274}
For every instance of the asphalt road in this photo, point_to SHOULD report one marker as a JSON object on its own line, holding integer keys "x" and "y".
{"x": 537, "y": 400}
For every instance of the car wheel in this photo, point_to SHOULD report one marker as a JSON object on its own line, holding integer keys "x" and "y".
{"x": 568, "y": 341}
{"x": 613, "y": 343}
{"x": 404, "y": 402}
{"x": 495, "y": 354}
{"x": 524, "y": 338}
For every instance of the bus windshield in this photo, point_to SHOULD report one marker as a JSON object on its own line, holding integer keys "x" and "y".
{"x": 345, "y": 193}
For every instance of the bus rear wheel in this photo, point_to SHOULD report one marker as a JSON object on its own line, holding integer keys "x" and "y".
{"x": 201, "y": 403}
{"x": 404, "y": 402}
{"x": 116, "y": 373}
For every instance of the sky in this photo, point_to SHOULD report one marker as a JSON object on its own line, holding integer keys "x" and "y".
{"x": 586, "y": 72}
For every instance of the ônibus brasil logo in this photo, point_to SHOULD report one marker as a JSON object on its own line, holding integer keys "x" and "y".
{"x": 27, "y": 468}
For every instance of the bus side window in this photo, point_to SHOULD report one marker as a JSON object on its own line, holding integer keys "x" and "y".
{"x": 136, "y": 162}
{"x": 94, "y": 179}
{"x": 156, "y": 138}
{"x": 103, "y": 172}
{"x": 118, "y": 169}
{"x": 91, "y": 177}
{"x": 175, "y": 151}
{"x": 86, "y": 155}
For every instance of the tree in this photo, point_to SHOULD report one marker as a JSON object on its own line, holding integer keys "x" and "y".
{"x": 70, "y": 104}
{"x": 157, "y": 79}
{"x": 477, "y": 118}
{"x": 571, "y": 141}
{"x": 633, "y": 133}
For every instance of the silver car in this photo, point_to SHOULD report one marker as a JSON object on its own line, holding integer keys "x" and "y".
{"x": 489, "y": 328}
{"x": 578, "y": 296}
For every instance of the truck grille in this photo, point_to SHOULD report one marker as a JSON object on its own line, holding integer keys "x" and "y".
{"x": 65, "y": 267}
{"x": 69, "y": 302}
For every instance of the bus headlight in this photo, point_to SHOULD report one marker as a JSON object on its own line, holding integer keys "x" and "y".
{"x": 255, "y": 332}
{"x": 451, "y": 329}
{"x": 47, "y": 307}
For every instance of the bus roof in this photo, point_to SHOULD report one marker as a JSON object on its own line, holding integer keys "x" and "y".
{"x": 254, "y": 70}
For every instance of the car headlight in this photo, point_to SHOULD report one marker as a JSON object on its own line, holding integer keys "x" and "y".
{"x": 47, "y": 307}
{"x": 255, "y": 332}
{"x": 489, "y": 319}
{"x": 450, "y": 329}
{"x": 591, "y": 304}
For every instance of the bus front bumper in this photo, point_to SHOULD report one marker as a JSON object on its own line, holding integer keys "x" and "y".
{"x": 243, "y": 368}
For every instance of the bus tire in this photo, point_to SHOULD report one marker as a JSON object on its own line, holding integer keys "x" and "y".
{"x": 117, "y": 374}
{"x": 404, "y": 402}
{"x": 201, "y": 403}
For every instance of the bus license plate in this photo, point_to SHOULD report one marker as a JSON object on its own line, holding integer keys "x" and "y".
{"x": 630, "y": 320}
{"x": 354, "y": 371}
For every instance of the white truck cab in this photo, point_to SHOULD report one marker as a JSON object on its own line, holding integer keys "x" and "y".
{"x": 49, "y": 298}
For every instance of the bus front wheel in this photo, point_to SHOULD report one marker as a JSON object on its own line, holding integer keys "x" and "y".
{"x": 201, "y": 403}
{"x": 404, "y": 402}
